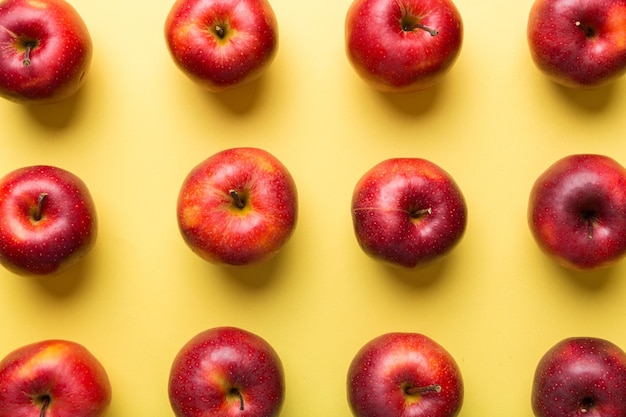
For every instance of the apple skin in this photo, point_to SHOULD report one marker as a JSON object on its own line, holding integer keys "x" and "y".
{"x": 577, "y": 211}
{"x": 211, "y": 221}
{"x": 578, "y": 44}
{"x": 59, "y": 59}
{"x": 61, "y": 377}
{"x": 222, "y": 44}
{"x": 404, "y": 374}
{"x": 580, "y": 376}
{"x": 226, "y": 371}
{"x": 391, "y": 54}
{"x": 408, "y": 212}
{"x": 65, "y": 231}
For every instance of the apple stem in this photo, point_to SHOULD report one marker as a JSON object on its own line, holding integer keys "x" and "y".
{"x": 39, "y": 211}
{"x": 44, "y": 406}
{"x": 29, "y": 47}
{"x": 413, "y": 26}
{"x": 421, "y": 390}
{"x": 587, "y": 30}
{"x": 219, "y": 31}
{"x": 237, "y": 199}
{"x": 422, "y": 212}
{"x": 240, "y": 395}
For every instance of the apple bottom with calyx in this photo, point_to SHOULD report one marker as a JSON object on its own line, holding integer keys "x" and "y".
{"x": 580, "y": 376}
{"x": 226, "y": 371}
{"x": 578, "y": 44}
{"x": 48, "y": 220}
{"x": 577, "y": 211}
{"x": 408, "y": 212}
{"x": 237, "y": 207}
{"x": 53, "y": 378}
{"x": 404, "y": 374}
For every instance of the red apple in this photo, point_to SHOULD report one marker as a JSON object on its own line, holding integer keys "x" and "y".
{"x": 577, "y": 211}
{"x": 45, "y": 51}
{"x": 221, "y": 44}
{"x": 580, "y": 376}
{"x": 404, "y": 374}
{"x": 408, "y": 212}
{"x": 238, "y": 207}
{"x": 578, "y": 44}
{"x": 226, "y": 372}
{"x": 403, "y": 46}
{"x": 47, "y": 220}
{"x": 53, "y": 378}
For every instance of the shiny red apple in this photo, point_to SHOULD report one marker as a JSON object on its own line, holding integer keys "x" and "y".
{"x": 45, "y": 51}
{"x": 578, "y": 377}
{"x": 404, "y": 374}
{"x": 53, "y": 378}
{"x": 47, "y": 220}
{"x": 577, "y": 211}
{"x": 578, "y": 44}
{"x": 226, "y": 372}
{"x": 403, "y": 46}
{"x": 408, "y": 212}
{"x": 222, "y": 44}
{"x": 238, "y": 207}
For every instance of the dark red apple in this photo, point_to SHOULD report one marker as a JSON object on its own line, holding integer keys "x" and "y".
{"x": 45, "y": 51}
{"x": 577, "y": 211}
{"x": 47, "y": 220}
{"x": 580, "y": 376}
{"x": 404, "y": 374}
{"x": 226, "y": 372}
{"x": 408, "y": 212}
{"x": 578, "y": 43}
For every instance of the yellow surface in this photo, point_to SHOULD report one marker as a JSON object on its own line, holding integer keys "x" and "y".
{"x": 138, "y": 126}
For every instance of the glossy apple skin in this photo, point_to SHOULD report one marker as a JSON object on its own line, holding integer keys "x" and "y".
{"x": 393, "y": 57}
{"x": 580, "y": 376}
{"x": 579, "y": 43}
{"x": 65, "y": 372}
{"x": 216, "y": 61}
{"x": 66, "y": 230}
{"x": 408, "y": 212}
{"x": 59, "y": 60}
{"x": 388, "y": 367}
{"x": 577, "y": 211}
{"x": 214, "y": 368}
{"x": 219, "y": 231}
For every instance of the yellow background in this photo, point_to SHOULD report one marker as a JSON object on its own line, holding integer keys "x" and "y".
{"x": 138, "y": 126}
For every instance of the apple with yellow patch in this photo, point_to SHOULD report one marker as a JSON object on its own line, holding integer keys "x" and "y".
{"x": 53, "y": 378}
{"x": 404, "y": 374}
{"x": 238, "y": 207}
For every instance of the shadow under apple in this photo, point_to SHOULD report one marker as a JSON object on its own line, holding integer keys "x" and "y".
{"x": 421, "y": 277}
{"x": 67, "y": 282}
{"x": 242, "y": 99}
{"x": 596, "y": 280}
{"x": 59, "y": 115}
{"x": 593, "y": 100}
{"x": 255, "y": 276}
{"x": 413, "y": 104}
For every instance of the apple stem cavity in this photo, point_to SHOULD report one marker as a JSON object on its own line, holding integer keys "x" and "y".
{"x": 38, "y": 214}
{"x": 219, "y": 31}
{"x": 587, "y": 30}
{"x": 235, "y": 391}
{"x": 411, "y": 27}
{"x": 45, "y": 402}
{"x": 586, "y": 404}
{"x": 436, "y": 388}
{"x": 237, "y": 199}
{"x": 29, "y": 48}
